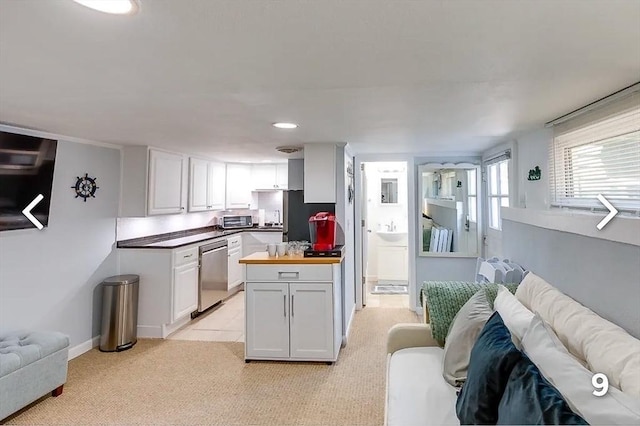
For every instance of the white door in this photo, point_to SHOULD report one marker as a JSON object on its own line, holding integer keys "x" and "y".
{"x": 165, "y": 183}
{"x": 235, "y": 268}
{"x": 185, "y": 290}
{"x": 364, "y": 232}
{"x": 216, "y": 185}
{"x": 198, "y": 183}
{"x": 238, "y": 186}
{"x": 311, "y": 322}
{"x": 267, "y": 320}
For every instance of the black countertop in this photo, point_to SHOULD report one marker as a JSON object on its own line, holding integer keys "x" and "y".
{"x": 177, "y": 239}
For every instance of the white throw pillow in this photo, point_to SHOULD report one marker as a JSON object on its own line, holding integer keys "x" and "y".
{"x": 605, "y": 347}
{"x": 462, "y": 335}
{"x": 573, "y": 380}
{"x": 514, "y": 314}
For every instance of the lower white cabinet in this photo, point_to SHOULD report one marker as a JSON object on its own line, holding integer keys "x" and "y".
{"x": 235, "y": 270}
{"x": 393, "y": 263}
{"x": 185, "y": 290}
{"x": 293, "y": 320}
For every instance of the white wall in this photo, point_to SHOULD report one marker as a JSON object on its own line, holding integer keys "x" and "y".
{"x": 345, "y": 218}
{"x": 601, "y": 274}
{"x": 533, "y": 150}
{"x": 50, "y": 279}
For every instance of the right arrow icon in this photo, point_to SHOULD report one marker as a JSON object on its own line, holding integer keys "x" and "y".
{"x": 612, "y": 212}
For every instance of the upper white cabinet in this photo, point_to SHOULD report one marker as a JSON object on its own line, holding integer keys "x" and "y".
{"x": 154, "y": 182}
{"x": 282, "y": 176}
{"x": 238, "y": 186}
{"x": 269, "y": 176}
{"x": 320, "y": 173}
{"x": 206, "y": 185}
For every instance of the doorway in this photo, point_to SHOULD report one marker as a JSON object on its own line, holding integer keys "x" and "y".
{"x": 385, "y": 243}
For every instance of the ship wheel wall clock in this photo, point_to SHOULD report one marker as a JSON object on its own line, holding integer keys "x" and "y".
{"x": 85, "y": 187}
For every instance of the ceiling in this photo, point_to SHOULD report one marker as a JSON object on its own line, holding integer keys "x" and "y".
{"x": 210, "y": 76}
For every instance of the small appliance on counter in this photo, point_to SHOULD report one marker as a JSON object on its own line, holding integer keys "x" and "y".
{"x": 337, "y": 251}
{"x": 237, "y": 221}
{"x": 322, "y": 229}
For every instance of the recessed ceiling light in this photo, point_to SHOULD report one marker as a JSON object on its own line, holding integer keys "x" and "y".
{"x": 285, "y": 125}
{"x": 118, "y": 7}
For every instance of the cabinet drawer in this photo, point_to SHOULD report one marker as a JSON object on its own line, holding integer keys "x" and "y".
{"x": 234, "y": 242}
{"x": 289, "y": 273}
{"x": 181, "y": 257}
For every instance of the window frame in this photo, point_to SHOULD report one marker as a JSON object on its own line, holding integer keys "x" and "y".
{"x": 498, "y": 195}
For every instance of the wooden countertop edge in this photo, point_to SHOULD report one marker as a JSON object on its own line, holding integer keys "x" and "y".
{"x": 250, "y": 260}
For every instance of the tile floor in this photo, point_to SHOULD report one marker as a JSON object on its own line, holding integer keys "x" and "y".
{"x": 225, "y": 323}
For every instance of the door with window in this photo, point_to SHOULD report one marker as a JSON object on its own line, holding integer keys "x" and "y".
{"x": 497, "y": 183}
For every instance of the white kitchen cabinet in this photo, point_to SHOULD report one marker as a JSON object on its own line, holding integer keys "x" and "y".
{"x": 238, "y": 186}
{"x": 289, "y": 315}
{"x": 269, "y": 176}
{"x": 206, "y": 185}
{"x": 168, "y": 291}
{"x": 153, "y": 182}
{"x": 165, "y": 182}
{"x": 282, "y": 176}
{"x": 320, "y": 173}
{"x": 267, "y": 320}
{"x": 235, "y": 270}
{"x": 185, "y": 290}
{"x": 311, "y": 321}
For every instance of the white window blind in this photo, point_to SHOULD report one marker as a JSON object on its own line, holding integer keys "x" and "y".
{"x": 598, "y": 153}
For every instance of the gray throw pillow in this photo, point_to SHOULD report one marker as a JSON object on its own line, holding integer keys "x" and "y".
{"x": 462, "y": 335}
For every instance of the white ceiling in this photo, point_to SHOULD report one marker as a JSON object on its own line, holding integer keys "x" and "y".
{"x": 210, "y": 76}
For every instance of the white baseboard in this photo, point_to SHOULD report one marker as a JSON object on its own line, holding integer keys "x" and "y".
{"x": 150, "y": 331}
{"x": 78, "y": 350}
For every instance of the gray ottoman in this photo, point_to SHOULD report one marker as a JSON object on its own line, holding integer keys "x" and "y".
{"x": 32, "y": 364}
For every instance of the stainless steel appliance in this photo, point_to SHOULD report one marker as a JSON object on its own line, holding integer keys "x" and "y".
{"x": 212, "y": 285}
{"x": 296, "y": 214}
{"x": 237, "y": 221}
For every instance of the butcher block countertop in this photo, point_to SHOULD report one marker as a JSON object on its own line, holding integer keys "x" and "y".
{"x": 262, "y": 258}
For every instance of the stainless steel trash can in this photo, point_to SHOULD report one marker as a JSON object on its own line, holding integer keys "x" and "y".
{"x": 119, "y": 313}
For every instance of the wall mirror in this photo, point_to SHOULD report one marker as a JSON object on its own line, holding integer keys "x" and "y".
{"x": 389, "y": 191}
{"x": 449, "y": 204}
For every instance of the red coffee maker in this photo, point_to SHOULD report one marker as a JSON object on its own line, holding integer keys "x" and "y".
{"x": 322, "y": 228}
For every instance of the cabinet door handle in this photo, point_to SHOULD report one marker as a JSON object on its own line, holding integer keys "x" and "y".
{"x": 284, "y": 305}
{"x": 187, "y": 256}
{"x": 288, "y": 274}
{"x": 292, "y": 305}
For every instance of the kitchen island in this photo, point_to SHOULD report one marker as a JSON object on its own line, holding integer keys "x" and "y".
{"x": 293, "y": 308}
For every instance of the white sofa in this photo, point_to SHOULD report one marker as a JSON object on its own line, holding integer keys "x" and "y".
{"x": 417, "y": 394}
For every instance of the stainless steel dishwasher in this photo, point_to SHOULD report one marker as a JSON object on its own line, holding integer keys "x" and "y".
{"x": 212, "y": 285}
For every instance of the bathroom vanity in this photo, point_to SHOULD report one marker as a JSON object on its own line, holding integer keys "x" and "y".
{"x": 293, "y": 308}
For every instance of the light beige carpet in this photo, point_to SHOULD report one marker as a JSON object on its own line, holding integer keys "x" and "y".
{"x": 181, "y": 382}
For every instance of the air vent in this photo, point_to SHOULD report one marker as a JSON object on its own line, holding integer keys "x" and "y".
{"x": 289, "y": 149}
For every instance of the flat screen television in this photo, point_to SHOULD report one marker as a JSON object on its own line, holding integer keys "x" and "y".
{"x": 26, "y": 170}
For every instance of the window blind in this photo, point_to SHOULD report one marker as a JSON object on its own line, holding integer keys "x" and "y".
{"x": 598, "y": 153}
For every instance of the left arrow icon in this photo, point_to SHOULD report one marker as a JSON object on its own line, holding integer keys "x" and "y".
{"x": 27, "y": 211}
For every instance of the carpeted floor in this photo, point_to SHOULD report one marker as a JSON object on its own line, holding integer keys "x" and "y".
{"x": 180, "y": 382}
